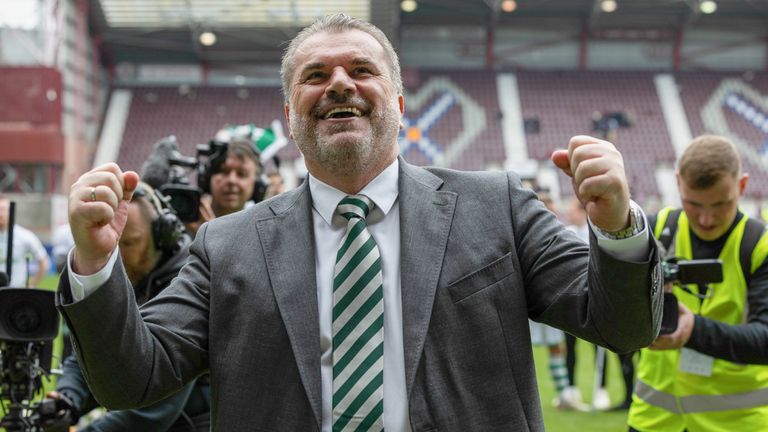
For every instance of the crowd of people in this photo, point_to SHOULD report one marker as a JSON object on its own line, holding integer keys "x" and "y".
{"x": 381, "y": 295}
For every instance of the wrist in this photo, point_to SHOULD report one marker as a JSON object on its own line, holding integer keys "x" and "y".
{"x": 85, "y": 266}
{"x": 635, "y": 226}
{"x": 689, "y": 336}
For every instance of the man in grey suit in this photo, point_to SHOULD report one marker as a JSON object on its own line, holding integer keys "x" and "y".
{"x": 454, "y": 264}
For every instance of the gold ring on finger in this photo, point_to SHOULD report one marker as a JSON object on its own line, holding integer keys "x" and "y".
{"x": 93, "y": 193}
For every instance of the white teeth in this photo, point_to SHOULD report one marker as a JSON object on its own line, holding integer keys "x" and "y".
{"x": 356, "y": 112}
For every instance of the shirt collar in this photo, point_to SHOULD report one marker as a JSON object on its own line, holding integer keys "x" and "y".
{"x": 382, "y": 190}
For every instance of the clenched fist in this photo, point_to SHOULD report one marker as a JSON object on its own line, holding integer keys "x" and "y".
{"x": 596, "y": 169}
{"x": 98, "y": 210}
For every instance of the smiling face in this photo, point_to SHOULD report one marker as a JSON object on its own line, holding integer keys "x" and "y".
{"x": 232, "y": 186}
{"x": 343, "y": 110}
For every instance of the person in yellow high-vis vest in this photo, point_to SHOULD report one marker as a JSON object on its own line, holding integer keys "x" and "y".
{"x": 710, "y": 374}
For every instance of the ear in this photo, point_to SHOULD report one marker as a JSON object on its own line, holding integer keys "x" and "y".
{"x": 287, "y": 113}
{"x": 401, "y": 103}
{"x": 743, "y": 183}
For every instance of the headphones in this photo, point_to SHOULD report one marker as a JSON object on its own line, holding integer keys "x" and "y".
{"x": 167, "y": 228}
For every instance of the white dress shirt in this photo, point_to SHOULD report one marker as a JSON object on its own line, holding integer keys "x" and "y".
{"x": 384, "y": 225}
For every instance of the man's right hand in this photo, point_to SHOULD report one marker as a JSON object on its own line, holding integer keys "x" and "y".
{"x": 60, "y": 412}
{"x": 98, "y": 210}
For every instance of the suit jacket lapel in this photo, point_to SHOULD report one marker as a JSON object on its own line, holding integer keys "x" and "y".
{"x": 288, "y": 243}
{"x": 425, "y": 220}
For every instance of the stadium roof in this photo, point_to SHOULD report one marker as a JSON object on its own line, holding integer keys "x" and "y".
{"x": 254, "y": 31}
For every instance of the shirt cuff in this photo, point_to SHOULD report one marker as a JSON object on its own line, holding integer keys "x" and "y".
{"x": 634, "y": 248}
{"x": 82, "y": 285}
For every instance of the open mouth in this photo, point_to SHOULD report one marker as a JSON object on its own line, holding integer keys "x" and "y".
{"x": 342, "y": 112}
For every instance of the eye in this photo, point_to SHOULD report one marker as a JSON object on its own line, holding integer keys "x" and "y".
{"x": 314, "y": 76}
{"x": 362, "y": 70}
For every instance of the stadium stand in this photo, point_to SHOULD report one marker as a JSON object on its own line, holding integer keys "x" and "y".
{"x": 564, "y": 102}
{"x": 731, "y": 104}
{"x": 452, "y": 119}
{"x": 193, "y": 115}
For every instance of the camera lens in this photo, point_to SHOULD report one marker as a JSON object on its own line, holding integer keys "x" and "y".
{"x": 182, "y": 204}
{"x": 184, "y": 200}
{"x": 25, "y": 318}
{"x": 27, "y": 315}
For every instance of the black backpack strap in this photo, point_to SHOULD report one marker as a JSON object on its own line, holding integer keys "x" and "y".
{"x": 670, "y": 228}
{"x": 753, "y": 231}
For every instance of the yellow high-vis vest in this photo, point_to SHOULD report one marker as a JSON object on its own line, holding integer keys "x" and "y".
{"x": 735, "y": 396}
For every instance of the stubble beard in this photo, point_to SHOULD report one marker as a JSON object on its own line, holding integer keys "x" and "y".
{"x": 347, "y": 155}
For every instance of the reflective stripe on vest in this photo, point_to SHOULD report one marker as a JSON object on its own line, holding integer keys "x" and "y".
{"x": 700, "y": 403}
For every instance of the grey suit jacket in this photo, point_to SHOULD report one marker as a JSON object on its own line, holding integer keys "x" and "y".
{"x": 480, "y": 255}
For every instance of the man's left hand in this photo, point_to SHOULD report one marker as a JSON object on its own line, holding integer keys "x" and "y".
{"x": 680, "y": 336}
{"x": 596, "y": 169}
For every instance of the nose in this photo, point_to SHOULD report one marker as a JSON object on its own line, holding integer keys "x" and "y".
{"x": 340, "y": 82}
{"x": 230, "y": 176}
{"x": 706, "y": 219}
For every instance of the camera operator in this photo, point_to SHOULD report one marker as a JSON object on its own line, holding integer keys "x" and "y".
{"x": 233, "y": 184}
{"x": 153, "y": 247}
{"x": 710, "y": 374}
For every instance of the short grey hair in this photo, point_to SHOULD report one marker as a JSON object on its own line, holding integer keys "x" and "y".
{"x": 338, "y": 23}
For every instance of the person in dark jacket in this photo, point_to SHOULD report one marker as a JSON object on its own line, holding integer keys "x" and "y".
{"x": 153, "y": 246}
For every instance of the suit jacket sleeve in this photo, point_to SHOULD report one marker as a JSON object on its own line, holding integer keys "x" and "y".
{"x": 156, "y": 350}
{"x": 583, "y": 289}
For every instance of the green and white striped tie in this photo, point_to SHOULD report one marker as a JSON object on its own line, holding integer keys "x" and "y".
{"x": 358, "y": 325}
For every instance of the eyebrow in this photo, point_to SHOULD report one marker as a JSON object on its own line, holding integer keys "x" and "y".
{"x": 361, "y": 60}
{"x": 705, "y": 205}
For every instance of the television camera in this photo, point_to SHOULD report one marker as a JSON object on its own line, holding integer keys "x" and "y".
{"x": 28, "y": 324}
{"x": 683, "y": 273}
{"x": 167, "y": 170}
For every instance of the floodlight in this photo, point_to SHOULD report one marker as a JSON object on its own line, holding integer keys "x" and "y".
{"x": 509, "y": 6}
{"x": 408, "y": 5}
{"x": 608, "y": 6}
{"x": 207, "y": 38}
{"x": 708, "y": 7}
